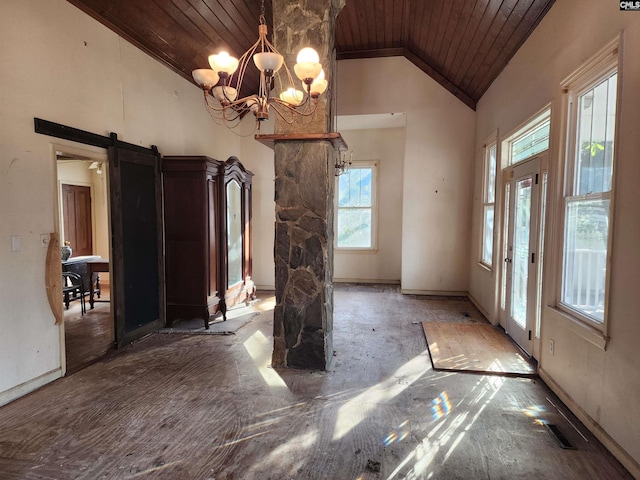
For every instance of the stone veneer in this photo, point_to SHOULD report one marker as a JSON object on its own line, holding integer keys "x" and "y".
{"x": 303, "y": 317}
{"x": 304, "y": 184}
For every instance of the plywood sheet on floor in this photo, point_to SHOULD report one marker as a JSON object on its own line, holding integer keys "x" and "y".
{"x": 474, "y": 347}
{"x": 202, "y": 407}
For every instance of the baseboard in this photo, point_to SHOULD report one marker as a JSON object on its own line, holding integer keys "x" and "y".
{"x": 367, "y": 280}
{"x": 29, "y": 386}
{"x": 481, "y": 308}
{"x": 610, "y": 444}
{"x": 442, "y": 293}
{"x": 266, "y": 287}
{"x": 343, "y": 280}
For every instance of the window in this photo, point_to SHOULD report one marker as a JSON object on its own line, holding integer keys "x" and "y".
{"x": 489, "y": 201}
{"x": 356, "y": 197}
{"x": 534, "y": 140}
{"x": 591, "y": 106}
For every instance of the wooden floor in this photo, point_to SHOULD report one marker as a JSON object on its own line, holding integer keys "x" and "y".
{"x": 474, "y": 347}
{"x": 88, "y": 337}
{"x": 210, "y": 407}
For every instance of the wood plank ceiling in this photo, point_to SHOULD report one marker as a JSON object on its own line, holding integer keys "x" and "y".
{"x": 462, "y": 44}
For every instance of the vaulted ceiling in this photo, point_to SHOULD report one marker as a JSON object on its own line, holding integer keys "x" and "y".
{"x": 462, "y": 44}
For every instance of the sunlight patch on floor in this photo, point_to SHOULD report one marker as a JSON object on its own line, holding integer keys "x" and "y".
{"x": 265, "y": 304}
{"x": 450, "y": 431}
{"x": 259, "y": 348}
{"x": 290, "y": 456}
{"x": 358, "y": 408}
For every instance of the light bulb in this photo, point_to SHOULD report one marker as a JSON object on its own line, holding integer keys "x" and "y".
{"x": 308, "y": 54}
{"x": 205, "y": 77}
{"x": 318, "y": 86}
{"x": 308, "y": 66}
{"x": 223, "y": 63}
{"x": 224, "y": 94}
{"x": 292, "y": 96}
{"x": 268, "y": 61}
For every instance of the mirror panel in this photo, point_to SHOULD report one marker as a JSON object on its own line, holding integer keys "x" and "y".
{"x": 234, "y": 233}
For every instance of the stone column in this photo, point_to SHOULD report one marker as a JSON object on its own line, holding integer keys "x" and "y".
{"x": 303, "y": 316}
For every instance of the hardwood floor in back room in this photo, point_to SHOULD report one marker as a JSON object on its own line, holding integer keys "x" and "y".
{"x": 210, "y": 407}
{"x": 88, "y": 337}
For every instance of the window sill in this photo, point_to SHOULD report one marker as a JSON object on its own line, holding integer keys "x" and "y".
{"x": 486, "y": 267}
{"x": 357, "y": 251}
{"x": 586, "y": 332}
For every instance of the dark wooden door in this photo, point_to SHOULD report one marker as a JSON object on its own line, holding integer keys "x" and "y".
{"x": 136, "y": 226}
{"x": 76, "y": 211}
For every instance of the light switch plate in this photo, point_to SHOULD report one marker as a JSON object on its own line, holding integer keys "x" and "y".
{"x": 16, "y": 243}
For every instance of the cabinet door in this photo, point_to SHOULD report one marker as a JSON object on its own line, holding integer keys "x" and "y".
{"x": 235, "y": 237}
{"x": 212, "y": 228}
{"x": 185, "y": 237}
{"x": 235, "y": 205}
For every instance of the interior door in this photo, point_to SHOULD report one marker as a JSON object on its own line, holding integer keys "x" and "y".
{"x": 521, "y": 262}
{"x": 136, "y": 245}
{"x": 77, "y": 223}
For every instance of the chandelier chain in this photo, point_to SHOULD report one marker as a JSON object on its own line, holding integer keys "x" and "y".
{"x": 262, "y": 17}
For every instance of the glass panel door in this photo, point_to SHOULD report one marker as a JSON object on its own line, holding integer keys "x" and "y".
{"x": 520, "y": 259}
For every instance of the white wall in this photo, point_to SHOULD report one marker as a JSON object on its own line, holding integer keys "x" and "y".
{"x": 260, "y": 160}
{"x": 602, "y": 387}
{"x": 420, "y": 243}
{"x": 438, "y": 166}
{"x": 61, "y": 65}
{"x": 385, "y": 145}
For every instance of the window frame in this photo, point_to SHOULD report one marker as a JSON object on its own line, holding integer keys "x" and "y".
{"x": 490, "y": 143}
{"x": 356, "y": 164}
{"x": 594, "y": 71}
{"x": 525, "y": 129}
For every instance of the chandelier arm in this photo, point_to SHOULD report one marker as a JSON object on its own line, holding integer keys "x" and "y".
{"x": 233, "y": 123}
{"x": 283, "y": 110}
{"x": 243, "y": 63}
{"x": 277, "y": 103}
{"x": 213, "y": 105}
{"x": 208, "y": 98}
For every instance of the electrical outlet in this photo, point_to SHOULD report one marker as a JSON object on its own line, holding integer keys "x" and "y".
{"x": 551, "y": 346}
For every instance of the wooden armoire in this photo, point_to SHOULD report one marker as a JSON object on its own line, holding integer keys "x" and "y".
{"x": 207, "y": 224}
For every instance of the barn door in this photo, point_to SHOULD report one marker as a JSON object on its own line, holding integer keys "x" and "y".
{"x": 136, "y": 243}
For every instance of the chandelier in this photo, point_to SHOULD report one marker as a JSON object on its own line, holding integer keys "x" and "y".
{"x": 343, "y": 163}
{"x": 222, "y": 83}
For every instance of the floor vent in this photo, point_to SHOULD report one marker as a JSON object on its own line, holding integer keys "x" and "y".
{"x": 555, "y": 432}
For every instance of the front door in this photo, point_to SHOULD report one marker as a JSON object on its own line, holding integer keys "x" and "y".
{"x": 521, "y": 256}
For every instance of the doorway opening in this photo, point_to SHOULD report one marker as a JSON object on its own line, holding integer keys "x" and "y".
{"x": 82, "y": 196}
{"x": 524, "y": 191}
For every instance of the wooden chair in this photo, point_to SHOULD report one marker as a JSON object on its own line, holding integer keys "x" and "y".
{"x": 73, "y": 289}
